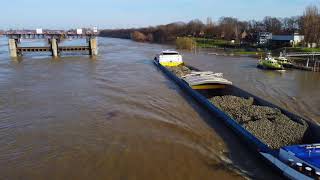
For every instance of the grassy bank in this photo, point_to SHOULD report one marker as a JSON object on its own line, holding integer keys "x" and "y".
{"x": 302, "y": 49}
{"x": 258, "y": 53}
{"x": 233, "y": 48}
{"x": 214, "y": 43}
{"x": 219, "y": 45}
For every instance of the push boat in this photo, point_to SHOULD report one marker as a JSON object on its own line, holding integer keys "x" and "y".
{"x": 296, "y": 161}
{"x": 169, "y": 58}
{"x": 284, "y": 61}
{"x": 196, "y": 79}
{"x": 269, "y": 63}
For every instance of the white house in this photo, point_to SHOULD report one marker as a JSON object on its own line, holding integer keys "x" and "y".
{"x": 292, "y": 39}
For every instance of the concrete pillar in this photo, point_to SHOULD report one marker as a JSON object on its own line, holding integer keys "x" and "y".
{"x": 54, "y": 47}
{"x": 13, "y": 48}
{"x": 93, "y": 46}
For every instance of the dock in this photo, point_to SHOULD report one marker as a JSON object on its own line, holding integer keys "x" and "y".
{"x": 302, "y": 54}
{"x": 312, "y": 62}
{"x": 53, "y": 39}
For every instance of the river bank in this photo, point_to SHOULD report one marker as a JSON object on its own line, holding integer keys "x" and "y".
{"x": 231, "y": 52}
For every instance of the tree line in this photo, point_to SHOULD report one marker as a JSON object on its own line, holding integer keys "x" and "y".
{"x": 228, "y": 28}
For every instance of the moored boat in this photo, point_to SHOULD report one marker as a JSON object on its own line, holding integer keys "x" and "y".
{"x": 294, "y": 157}
{"x": 269, "y": 63}
{"x": 284, "y": 62}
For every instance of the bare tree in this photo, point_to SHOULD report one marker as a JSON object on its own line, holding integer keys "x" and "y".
{"x": 272, "y": 24}
{"x": 209, "y": 22}
{"x": 229, "y": 28}
{"x": 310, "y": 24}
{"x": 210, "y": 30}
{"x": 195, "y": 27}
{"x": 290, "y": 25}
{"x": 138, "y": 36}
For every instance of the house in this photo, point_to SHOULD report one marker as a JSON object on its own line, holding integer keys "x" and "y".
{"x": 247, "y": 38}
{"x": 244, "y": 34}
{"x": 292, "y": 40}
{"x": 264, "y": 37}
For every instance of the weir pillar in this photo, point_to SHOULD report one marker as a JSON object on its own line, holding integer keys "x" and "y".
{"x": 13, "y": 48}
{"x": 93, "y": 44}
{"x": 54, "y": 47}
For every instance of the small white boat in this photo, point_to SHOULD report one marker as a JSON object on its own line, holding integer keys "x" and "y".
{"x": 284, "y": 61}
{"x": 169, "y": 58}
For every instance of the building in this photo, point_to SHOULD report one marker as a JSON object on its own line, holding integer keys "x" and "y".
{"x": 264, "y": 37}
{"x": 244, "y": 34}
{"x": 292, "y": 40}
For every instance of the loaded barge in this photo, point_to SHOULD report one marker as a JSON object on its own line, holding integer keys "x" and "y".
{"x": 295, "y": 156}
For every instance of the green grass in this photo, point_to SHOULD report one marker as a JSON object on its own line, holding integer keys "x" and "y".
{"x": 247, "y": 52}
{"x": 303, "y": 49}
{"x": 213, "y": 43}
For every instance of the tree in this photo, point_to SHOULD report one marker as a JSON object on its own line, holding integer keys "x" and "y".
{"x": 290, "y": 25}
{"x": 138, "y": 36}
{"x": 310, "y": 24}
{"x": 160, "y": 35}
{"x": 209, "y": 22}
{"x": 150, "y": 37}
{"x": 209, "y": 29}
{"x": 272, "y": 24}
{"x": 195, "y": 27}
{"x": 229, "y": 28}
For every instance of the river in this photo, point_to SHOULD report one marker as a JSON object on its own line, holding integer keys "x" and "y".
{"x": 118, "y": 117}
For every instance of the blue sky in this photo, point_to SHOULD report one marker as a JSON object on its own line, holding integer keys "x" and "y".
{"x": 136, "y": 13}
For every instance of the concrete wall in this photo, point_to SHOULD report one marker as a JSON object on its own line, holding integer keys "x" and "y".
{"x": 13, "y": 48}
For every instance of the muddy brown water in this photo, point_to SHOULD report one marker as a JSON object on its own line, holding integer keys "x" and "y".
{"x": 118, "y": 117}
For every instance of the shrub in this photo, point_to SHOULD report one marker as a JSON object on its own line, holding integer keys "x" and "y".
{"x": 185, "y": 43}
{"x": 138, "y": 36}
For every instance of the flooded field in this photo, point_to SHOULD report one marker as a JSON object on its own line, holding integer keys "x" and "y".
{"x": 118, "y": 117}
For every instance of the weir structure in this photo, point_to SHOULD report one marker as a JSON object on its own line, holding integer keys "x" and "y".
{"x": 53, "y": 39}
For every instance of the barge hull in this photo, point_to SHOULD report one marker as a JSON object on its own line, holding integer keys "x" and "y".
{"x": 256, "y": 144}
{"x": 261, "y": 149}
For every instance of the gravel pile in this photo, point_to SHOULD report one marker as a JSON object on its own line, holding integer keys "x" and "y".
{"x": 267, "y": 124}
{"x": 180, "y": 70}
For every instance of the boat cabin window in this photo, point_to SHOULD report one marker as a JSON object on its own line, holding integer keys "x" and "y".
{"x": 170, "y": 53}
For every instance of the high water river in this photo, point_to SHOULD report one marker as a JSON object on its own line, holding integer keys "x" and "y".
{"x": 119, "y": 117}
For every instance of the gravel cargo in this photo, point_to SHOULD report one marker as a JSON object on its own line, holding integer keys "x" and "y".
{"x": 267, "y": 124}
{"x": 180, "y": 70}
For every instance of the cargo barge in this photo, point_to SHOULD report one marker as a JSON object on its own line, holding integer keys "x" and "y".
{"x": 293, "y": 161}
